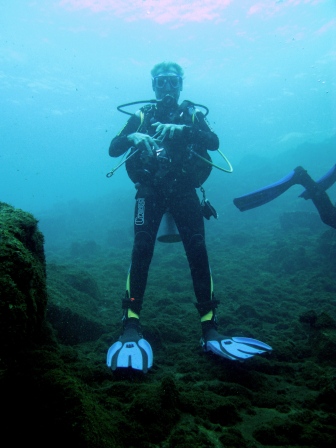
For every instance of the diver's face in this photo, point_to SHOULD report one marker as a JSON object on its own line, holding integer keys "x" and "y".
{"x": 167, "y": 83}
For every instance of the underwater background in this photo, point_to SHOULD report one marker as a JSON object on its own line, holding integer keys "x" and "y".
{"x": 266, "y": 71}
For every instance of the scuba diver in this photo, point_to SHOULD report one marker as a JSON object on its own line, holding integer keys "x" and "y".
{"x": 167, "y": 146}
{"x": 316, "y": 191}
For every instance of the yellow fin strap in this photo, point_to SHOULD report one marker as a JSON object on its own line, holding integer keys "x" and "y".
{"x": 207, "y": 316}
{"x": 130, "y": 313}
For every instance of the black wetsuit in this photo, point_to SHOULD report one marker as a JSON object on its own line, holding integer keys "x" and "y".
{"x": 326, "y": 209}
{"x": 169, "y": 184}
{"x": 319, "y": 197}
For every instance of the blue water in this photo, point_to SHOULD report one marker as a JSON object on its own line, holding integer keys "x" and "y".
{"x": 266, "y": 71}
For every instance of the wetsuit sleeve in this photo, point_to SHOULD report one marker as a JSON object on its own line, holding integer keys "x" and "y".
{"x": 201, "y": 133}
{"x": 120, "y": 143}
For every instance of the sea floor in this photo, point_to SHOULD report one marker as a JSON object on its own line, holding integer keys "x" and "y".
{"x": 275, "y": 283}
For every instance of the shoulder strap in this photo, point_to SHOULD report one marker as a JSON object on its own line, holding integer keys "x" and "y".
{"x": 188, "y": 109}
{"x": 143, "y": 115}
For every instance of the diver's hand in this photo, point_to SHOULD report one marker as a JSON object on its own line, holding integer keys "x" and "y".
{"x": 170, "y": 130}
{"x": 139, "y": 139}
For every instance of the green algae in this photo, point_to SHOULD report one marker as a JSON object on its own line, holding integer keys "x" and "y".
{"x": 59, "y": 384}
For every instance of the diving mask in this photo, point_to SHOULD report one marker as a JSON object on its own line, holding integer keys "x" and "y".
{"x": 159, "y": 82}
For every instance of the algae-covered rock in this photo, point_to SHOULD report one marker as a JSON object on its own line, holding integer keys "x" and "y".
{"x": 37, "y": 387}
{"x": 23, "y": 296}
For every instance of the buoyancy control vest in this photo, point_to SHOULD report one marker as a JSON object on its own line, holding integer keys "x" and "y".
{"x": 175, "y": 161}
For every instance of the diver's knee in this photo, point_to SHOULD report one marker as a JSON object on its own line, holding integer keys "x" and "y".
{"x": 143, "y": 243}
{"x": 196, "y": 245}
{"x": 197, "y": 240}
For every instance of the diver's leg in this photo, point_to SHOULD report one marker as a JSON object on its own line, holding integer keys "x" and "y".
{"x": 188, "y": 217}
{"x": 325, "y": 182}
{"x": 189, "y": 220}
{"x": 315, "y": 191}
{"x": 147, "y": 216}
{"x": 326, "y": 209}
{"x": 132, "y": 350}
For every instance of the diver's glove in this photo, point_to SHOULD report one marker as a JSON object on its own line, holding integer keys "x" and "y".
{"x": 131, "y": 350}
{"x": 234, "y": 348}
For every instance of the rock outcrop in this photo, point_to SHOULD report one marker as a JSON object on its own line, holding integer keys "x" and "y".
{"x": 23, "y": 291}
